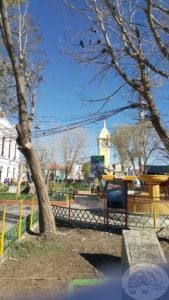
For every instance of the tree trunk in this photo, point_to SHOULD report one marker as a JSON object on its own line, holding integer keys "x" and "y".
{"x": 155, "y": 115}
{"x": 155, "y": 118}
{"x": 19, "y": 181}
{"x": 133, "y": 164}
{"x": 46, "y": 217}
{"x": 141, "y": 165}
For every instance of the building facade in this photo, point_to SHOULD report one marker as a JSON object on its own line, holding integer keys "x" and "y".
{"x": 9, "y": 153}
{"x": 76, "y": 173}
{"x": 54, "y": 171}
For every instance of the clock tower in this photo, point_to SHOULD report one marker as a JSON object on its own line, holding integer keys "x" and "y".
{"x": 104, "y": 142}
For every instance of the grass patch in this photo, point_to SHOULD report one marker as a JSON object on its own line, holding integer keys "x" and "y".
{"x": 33, "y": 248}
{"x": 12, "y": 196}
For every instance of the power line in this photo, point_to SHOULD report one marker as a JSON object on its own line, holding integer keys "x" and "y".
{"x": 92, "y": 119}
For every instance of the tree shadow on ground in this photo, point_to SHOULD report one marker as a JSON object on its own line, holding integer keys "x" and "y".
{"x": 83, "y": 225}
{"x": 28, "y": 230}
{"x": 108, "y": 264}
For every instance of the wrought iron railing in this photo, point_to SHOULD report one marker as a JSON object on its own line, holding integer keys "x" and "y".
{"x": 95, "y": 216}
{"x": 110, "y": 217}
{"x": 90, "y": 216}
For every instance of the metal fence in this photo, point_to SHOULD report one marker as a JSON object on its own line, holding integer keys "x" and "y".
{"x": 16, "y": 219}
{"x": 12, "y": 234}
{"x": 110, "y": 217}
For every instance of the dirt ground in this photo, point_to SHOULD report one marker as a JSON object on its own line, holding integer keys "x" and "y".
{"x": 77, "y": 254}
{"x": 48, "y": 271}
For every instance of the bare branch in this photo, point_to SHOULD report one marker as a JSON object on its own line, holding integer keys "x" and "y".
{"x": 130, "y": 50}
{"x": 161, "y": 8}
{"x": 106, "y": 99}
{"x": 154, "y": 31}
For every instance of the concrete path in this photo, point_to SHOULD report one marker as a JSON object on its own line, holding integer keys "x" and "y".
{"x": 12, "y": 215}
{"x": 84, "y": 200}
{"x": 87, "y": 201}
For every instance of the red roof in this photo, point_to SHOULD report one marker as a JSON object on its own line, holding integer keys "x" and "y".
{"x": 54, "y": 166}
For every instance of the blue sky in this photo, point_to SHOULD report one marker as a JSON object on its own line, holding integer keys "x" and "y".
{"x": 64, "y": 80}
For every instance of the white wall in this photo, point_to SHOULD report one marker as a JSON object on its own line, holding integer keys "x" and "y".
{"x": 9, "y": 153}
{"x": 76, "y": 173}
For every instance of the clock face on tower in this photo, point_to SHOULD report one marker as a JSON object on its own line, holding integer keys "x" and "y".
{"x": 104, "y": 143}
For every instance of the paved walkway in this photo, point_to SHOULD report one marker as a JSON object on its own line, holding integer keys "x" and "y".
{"x": 12, "y": 215}
{"x": 84, "y": 200}
{"x": 87, "y": 201}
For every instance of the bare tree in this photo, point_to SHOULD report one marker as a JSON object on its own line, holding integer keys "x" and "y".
{"x": 72, "y": 149}
{"x": 46, "y": 151}
{"x": 136, "y": 145}
{"x": 120, "y": 142}
{"x": 18, "y": 52}
{"x": 128, "y": 38}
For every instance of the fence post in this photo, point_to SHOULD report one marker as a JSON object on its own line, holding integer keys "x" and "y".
{"x": 107, "y": 213}
{"x": 126, "y": 203}
{"x": 154, "y": 211}
{"x": 69, "y": 206}
{"x": 134, "y": 208}
{"x": 67, "y": 197}
{"x": 17, "y": 194}
{"x": 20, "y": 220}
{"x": 31, "y": 215}
{"x": 104, "y": 210}
{"x": 150, "y": 205}
{"x": 3, "y": 232}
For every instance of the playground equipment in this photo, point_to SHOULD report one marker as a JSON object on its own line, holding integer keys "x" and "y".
{"x": 154, "y": 182}
{"x": 146, "y": 202}
{"x": 151, "y": 201}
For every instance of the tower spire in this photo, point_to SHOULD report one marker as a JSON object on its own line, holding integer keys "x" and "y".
{"x": 104, "y": 124}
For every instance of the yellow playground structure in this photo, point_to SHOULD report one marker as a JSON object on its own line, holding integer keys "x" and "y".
{"x": 150, "y": 200}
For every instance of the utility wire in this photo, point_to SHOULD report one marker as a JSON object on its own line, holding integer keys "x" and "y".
{"x": 92, "y": 119}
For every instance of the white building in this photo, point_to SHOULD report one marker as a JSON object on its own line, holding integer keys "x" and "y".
{"x": 76, "y": 172}
{"x": 9, "y": 153}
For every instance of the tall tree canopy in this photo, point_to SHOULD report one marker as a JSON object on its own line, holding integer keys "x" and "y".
{"x": 128, "y": 38}
{"x": 135, "y": 145}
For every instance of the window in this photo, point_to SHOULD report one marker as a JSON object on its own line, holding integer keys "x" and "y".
{"x": 9, "y": 150}
{"x": 3, "y": 146}
{"x": 15, "y": 151}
